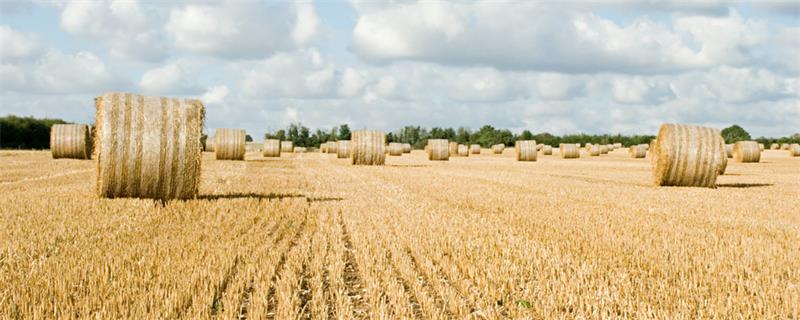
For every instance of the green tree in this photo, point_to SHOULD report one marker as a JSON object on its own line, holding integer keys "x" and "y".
{"x": 463, "y": 135}
{"x": 734, "y": 134}
{"x": 248, "y": 138}
{"x": 344, "y": 132}
{"x": 525, "y": 135}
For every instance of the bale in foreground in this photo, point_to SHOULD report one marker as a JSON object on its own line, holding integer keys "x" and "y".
{"x": 746, "y": 151}
{"x": 343, "y": 149}
{"x": 687, "y": 155}
{"x": 148, "y": 147}
{"x": 71, "y": 141}
{"x": 230, "y": 144}
{"x": 438, "y": 150}
{"x": 525, "y": 150}
{"x": 569, "y": 151}
{"x": 366, "y": 147}
{"x": 272, "y": 148}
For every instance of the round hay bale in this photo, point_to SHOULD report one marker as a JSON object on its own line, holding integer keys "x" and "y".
{"x": 287, "y": 146}
{"x": 272, "y": 148}
{"x": 230, "y": 144}
{"x": 774, "y": 146}
{"x": 343, "y": 149}
{"x": 299, "y": 150}
{"x": 794, "y": 150}
{"x": 637, "y": 151}
{"x": 594, "y": 151}
{"x": 687, "y": 155}
{"x": 395, "y": 149}
{"x": 210, "y": 145}
{"x": 761, "y": 147}
{"x": 71, "y": 141}
{"x": 367, "y": 147}
{"x": 784, "y": 146}
{"x": 253, "y": 146}
{"x": 547, "y": 150}
{"x": 569, "y": 151}
{"x": 463, "y": 150}
{"x": 323, "y": 147}
{"x": 475, "y": 149}
{"x": 332, "y": 147}
{"x": 617, "y": 146}
{"x": 498, "y": 148}
{"x": 729, "y": 150}
{"x": 406, "y": 148}
{"x": 453, "y": 146}
{"x": 148, "y": 147}
{"x": 746, "y": 151}
{"x": 604, "y": 149}
{"x": 525, "y": 150}
{"x": 439, "y": 150}
{"x": 722, "y": 162}
{"x": 539, "y": 147}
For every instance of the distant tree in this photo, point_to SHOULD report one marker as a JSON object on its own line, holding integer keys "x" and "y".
{"x": 334, "y": 135}
{"x": 463, "y": 135}
{"x": 734, "y": 134}
{"x": 303, "y": 137}
{"x": 389, "y": 137}
{"x": 344, "y": 132}
{"x": 248, "y": 138}
{"x": 280, "y": 135}
{"x": 525, "y": 135}
{"x": 26, "y": 132}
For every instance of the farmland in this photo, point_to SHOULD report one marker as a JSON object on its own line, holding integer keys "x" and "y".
{"x": 311, "y": 236}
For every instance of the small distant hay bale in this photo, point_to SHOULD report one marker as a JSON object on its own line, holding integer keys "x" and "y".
{"x": 230, "y": 144}
{"x": 637, "y": 151}
{"x": 525, "y": 150}
{"x": 287, "y": 146}
{"x": 343, "y": 149}
{"x": 475, "y": 149}
{"x": 594, "y": 151}
{"x": 761, "y": 146}
{"x": 617, "y": 146}
{"x": 463, "y": 150}
{"x": 794, "y": 150}
{"x": 439, "y": 150}
{"x": 453, "y": 146}
{"x": 604, "y": 149}
{"x": 539, "y": 147}
{"x": 148, "y": 147}
{"x": 299, "y": 150}
{"x": 498, "y": 148}
{"x": 569, "y": 151}
{"x": 774, "y": 146}
{"x": 406, "y": 148}
{"x": 323, "y": 147}
{"x": 395, "y": 149}
{"x": 547, "y": 150}
{"x": 332, "y": 147}
{"x": 784, "y": 146}
{"x": 687, "y": 155}
{"x": 367, "y": 147}
{"x": 746, "y": 151}
{"x": 729, "y": 150}
{"x": 272, "y": 148}
{"x": 71, "y": 141}
{"x": 253, "y": 146}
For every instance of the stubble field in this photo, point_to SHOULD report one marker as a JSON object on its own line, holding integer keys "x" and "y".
{"x": 310, "y": 236}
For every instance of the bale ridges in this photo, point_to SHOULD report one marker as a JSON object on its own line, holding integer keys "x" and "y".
{"x": 395, "y": 149}
{"x": 287, "y": 146}
{"x": 272, "y": 148}
{"x": 438, "y": 149}
{"x": 366, "y": 147}
{"x": 148, "y": 147}
{"x": 746, "y": 151}
{"x": 687, "y": 155}
{"x": 71, "y": 141}
{"x": 525, "y": 150}
{"x": 463, "y": 150}
{"x": 343, "y": 149}
{"x": 230, "y": 144}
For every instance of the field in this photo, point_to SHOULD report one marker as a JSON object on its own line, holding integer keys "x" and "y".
{"x": 310, "y": 236}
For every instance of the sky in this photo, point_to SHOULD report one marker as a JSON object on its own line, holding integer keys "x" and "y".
{"x": 601, "y": 66}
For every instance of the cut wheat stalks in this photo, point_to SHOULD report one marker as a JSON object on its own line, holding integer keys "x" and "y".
{"x": 343, "y": 149}
{"x": 463, "y": 150}
{"x": 395, "y": 149}
{"x": 498, "y": 148}
{"x": 475, "y": 149}
{"x": 746, "y": 151}
{"x": 594, "y": 150}
{"x": 272, "y": 148}
{"x": 729, "y": 150}
{"x": 794, "y": 150}
{"x": 547, "y": 150}
{"x": 230, "y": 144}
{"x": 569, "y": 151}
{"x": 525, "y": 150}
{"x": 439, "y": 149}
{"x": 637, "y": 151}
{"x": 287, "y": 146}
{"x": 687, "y": 155}
{"x": 148, "y": 147}
{"x": 367, "y": 147}
{"x": 71, "y": 141}
{"x": 406, "y": 148}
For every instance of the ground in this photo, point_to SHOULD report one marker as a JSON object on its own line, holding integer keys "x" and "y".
{"x": 310, "y": 236}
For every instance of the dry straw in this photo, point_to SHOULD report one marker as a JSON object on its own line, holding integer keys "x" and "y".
{"x": 71, "y": 141}
{"x": 746, "y": 151}
{"x": 332, "y": 147}
{"x": 784, "y": 146}
{"x": 406, "y": 148}
{"x": 148, "y": 147}
{"x": 539, "y": 147}
{"x": 617, "y": 146}
{"x": 253, "y": 146}
{"x": 547, "y": 150}
{"x": 439, "y": 150}
{"x": 687, "y": 155}
{"x": 761, "y": 146}
{"x": 299, "y": 150}
{"x": 498, "y": 148}
{"x": 794, "y": 150}
{"x": 230, "y": 144}
{"x": 453, "y": 147}
{"x": 343, "y": 149}
{"x": 604, "y": 149}
{"x": 323, "y": 147}
{"x": 774, "y": 146}
{"x": 637, "y": 151}
{"x": 210, "y": 144}
{"x": 367, "y": 146}
{"x": 475, "y": 149}
{"x": 395, "y": 149}
{"x": 287, "y": 146}
{"x": 569, "y": 151}
{"x": 594, "y": 150}
{"x": 729, "y": 150}
{"x": 272, "y": 148}
{"x": 525, "y": 150}
{"x": 463, "y": 150}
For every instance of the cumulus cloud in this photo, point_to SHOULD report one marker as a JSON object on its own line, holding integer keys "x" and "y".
{"x": 17, "y": 45}
{"x": 171, "y": 78}
{"x": 300, "y": 74}
{"x": 639, "y": 90}
{"x": 215, "y": 95}
{"x": 60, "y": 73}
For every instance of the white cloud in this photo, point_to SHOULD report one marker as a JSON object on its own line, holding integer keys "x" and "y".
{"x": 171, "y": 78}
{"x": 215, "y": 95}
{"x": 639, "y": 90}
{"x": 300, "y": 74}
{"x": 17, "y": 45}
{"x": 83, "y": 72}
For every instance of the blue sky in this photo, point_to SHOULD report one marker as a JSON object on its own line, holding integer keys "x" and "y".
{"x": 607, "y": 66}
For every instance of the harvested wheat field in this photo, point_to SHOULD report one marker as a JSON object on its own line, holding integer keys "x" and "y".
{"x": 485, "y": 236}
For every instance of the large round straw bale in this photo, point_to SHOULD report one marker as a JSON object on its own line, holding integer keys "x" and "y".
{"x": 406, "y": 148}
{"x": 637, "y": 151}
{"x": 230, "y": 144}
{"x": 784, "y": 146}
{"x": 71, "y": 141}
{"x": 343, "y": 149}
{"x": 525, "y": 150}
{"x": 272, "y": 148}
{"x": 463, "y": 150}
{"x": 746, "y": 151}
{"x": 366, "y": 147}
{"x": 395, "y": 149}
{"x": 794, "y": 150}
{"x": 498, "y": 148}
{"x": 547, "y": 150}
{"x": 687, "y": 155}
{"x": 287, "y": 146}
{"x": 604, "y": 149}
{"x": 774, "y": 146}
{"x": 569, "y": 151}
{"x": 729, "y": 150}
{"x": 594, "y": 150}
{"x": 475, "y": 149}
{"x": 453, "y": 147}
{"x": 439, "y": 149}
{"x": 148, "y": 147}
{"x": 332, "y": 147}
{"x": 722, "y": 162}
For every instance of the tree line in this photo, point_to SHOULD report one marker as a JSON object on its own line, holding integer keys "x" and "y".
{"x": 33, "y": 133}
